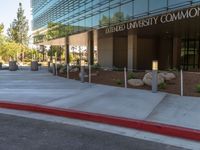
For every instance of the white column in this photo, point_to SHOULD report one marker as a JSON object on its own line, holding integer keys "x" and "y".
{"x": 132, "y": 50}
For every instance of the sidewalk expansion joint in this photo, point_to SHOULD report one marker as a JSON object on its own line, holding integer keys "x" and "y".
{"x": 152, "y": 112}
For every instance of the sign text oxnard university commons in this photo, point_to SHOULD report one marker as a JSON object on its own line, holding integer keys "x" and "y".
{"x": 165, "y": 18}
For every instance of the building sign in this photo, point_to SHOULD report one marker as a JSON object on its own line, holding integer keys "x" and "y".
{"x": 166, "y": 18}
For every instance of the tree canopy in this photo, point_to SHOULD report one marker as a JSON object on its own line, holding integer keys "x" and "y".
{"x": 1, "y": 28}
{"x": 18, "y": 30}
{"x": 15, "y": 45}
{"x": 54, "y": 30}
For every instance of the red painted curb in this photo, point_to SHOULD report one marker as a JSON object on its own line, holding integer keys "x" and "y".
{"x": 153, "y": 127}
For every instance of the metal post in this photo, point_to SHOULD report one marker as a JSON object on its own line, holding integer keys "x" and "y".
{"x": 125, "y": 77}
{"x": 67, "y": 71}
{"x": 82, "y": 74}
{"x": 181, "y": 82}
{"x": 54, "y": 69}
{"x": 154, "y": 81}
{"x": 1, "y": 65}
{"x": 154, "y": 76}
{"x": 90, "y": 77}
{"x": 49, "y": 65}
{"x": 56, "y": 57}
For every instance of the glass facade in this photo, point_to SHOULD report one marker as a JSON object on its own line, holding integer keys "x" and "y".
{"x": 190, "y": 54}
{"x": 83, "y": 15}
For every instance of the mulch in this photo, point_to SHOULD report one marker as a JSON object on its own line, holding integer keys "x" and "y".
{"x": 116, "y": 78}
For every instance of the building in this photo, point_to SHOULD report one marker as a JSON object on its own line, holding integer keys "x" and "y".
{"x": 124, "y": 33}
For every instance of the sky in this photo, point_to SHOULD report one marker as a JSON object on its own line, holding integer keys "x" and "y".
{"x": 8, "y": 11}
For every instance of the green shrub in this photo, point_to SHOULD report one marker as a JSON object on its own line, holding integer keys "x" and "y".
{"x": 62, "y": 69}
{"x": 162, "y": 86}
{"x": 118, "y": 69}
{"x": 59, "y": 66}
{"x": 118, "y": 81}
{"x": 198, "y": 88}
{"x": 131, "y": 75}
{"x": 96, "y": 66}
{"x": 172, "y": 69}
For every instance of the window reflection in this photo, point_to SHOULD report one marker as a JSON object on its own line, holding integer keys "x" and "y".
{"x": 155, "y": 5}
{"x": 127, "y": 10}
{"x": 83, "y": 15}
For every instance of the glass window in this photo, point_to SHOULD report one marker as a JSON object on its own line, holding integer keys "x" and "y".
{"x": 115, "y": 15}
{"x": 82, "y": 25}
{"x": 88, "y": 22}
{"x": 96, "y": 20}
{"x": 104, "y": 20}
{"x": 104, "y": 1}
{"x": 88, "y": 5}
{"x": 195, "y": 1}
{"x": 178, "y": 2}
{"x": 127, "y": 11}
{"x": 75, "y": 26}
{"x": 113, "y": 2}
{"x": 190, "y": 59}
{"x": 155, "y": 5}
{"x": 81, "y": 9}
{"x": 140, "y": 7}
{"x": 95, "y": 2}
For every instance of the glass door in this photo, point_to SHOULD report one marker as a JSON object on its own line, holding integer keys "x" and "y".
{"x": 190, "y": 54}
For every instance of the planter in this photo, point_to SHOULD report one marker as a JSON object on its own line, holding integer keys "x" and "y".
{"x": 13, "y": 66}
{"x": 34, "y": 66}
{"x": 49, "y": 66}
{"x": 0, "y": 66}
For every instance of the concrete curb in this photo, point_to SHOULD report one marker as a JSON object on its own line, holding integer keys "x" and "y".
{"x": 169, "y": 130}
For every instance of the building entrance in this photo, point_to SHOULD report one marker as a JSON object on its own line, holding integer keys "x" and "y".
{"x": 190, "y": 54}
{"x": 120, "y": 50}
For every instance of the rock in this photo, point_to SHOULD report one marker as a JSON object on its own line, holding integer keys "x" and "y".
{"x": 135, "y": 82}
{"x": 168, "y": 76}
{"x": 107, "y": 69}
{"x": 95, "y": 74}
{"x": 86, "y": 76}
{"x": 74, "y": 70}
{"x": 148, "y": 79}
{"x": 63, "y": 69}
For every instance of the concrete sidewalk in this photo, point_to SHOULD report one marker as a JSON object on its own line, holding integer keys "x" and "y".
{"x": 44, "y": 89}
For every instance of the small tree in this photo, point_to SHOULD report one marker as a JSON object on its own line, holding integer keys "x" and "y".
{"x": 9, "y": 50}
{"x": 2, "y": 40}
{"x": 1, "y": 28}
{"x": 18, "y": 30}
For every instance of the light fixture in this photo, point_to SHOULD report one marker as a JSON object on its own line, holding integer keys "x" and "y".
{"x": 155, "y": 65}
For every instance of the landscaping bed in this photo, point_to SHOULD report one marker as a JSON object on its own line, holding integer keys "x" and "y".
{"x": 116, "y": 78}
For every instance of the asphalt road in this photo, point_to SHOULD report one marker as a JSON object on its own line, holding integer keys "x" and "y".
{"x": 18, "y": 133}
